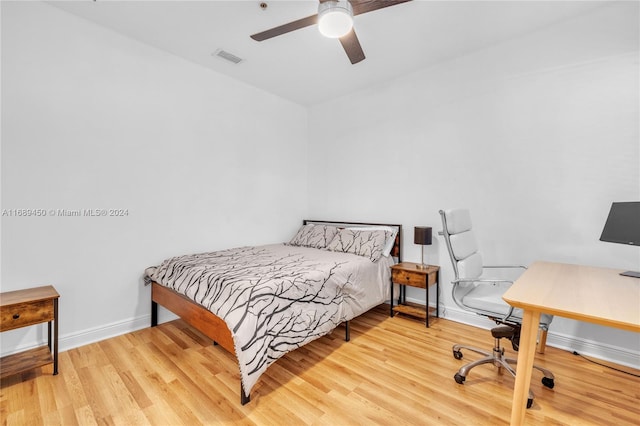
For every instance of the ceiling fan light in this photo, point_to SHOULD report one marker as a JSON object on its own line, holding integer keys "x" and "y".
{"x": 335, "y": 18}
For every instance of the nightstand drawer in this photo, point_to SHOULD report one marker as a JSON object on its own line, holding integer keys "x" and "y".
{"x": 408, "y": 278}
{"x": 24, "y": 314}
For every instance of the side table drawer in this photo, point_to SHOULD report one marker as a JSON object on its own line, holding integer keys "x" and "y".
{"x": 407, "y": 278}
{"x": 24, "y": 314}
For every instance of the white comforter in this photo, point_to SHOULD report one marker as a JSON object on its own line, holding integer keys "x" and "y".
{"x": 276, "y": 298}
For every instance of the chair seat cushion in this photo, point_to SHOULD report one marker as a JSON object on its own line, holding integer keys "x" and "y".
{"x": 487, "y": 298}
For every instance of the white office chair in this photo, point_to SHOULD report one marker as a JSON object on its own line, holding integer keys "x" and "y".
{"x": 474, "y": 292}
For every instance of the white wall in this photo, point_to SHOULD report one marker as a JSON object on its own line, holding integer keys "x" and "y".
{"x": 94, "y": 120}
{"x": 536, "y": 136}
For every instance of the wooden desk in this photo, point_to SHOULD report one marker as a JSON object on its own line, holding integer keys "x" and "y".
{"x": 583, "y": 293}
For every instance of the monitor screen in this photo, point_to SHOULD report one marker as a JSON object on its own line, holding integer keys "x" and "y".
{"x": 623, "y": 224}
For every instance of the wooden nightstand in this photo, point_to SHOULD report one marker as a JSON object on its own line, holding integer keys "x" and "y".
{"x": 22, "y": 308}
{"x": 409, "y": 274}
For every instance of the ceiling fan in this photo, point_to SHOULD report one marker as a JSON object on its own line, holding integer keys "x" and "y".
{"x": 334, "y": 20}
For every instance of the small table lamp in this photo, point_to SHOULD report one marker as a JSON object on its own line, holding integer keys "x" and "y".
{"x": 422, "y": 236}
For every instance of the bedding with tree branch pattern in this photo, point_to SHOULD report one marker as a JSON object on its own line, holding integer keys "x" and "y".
{"x": 276, "y": 298}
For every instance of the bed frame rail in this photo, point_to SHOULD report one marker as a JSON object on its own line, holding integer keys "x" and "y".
{"x": 193, "y": 314}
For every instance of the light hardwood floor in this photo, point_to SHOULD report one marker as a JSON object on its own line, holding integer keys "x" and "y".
{"x": 393, "y": 371}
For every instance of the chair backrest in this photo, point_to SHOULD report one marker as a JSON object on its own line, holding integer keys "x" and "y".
{"x": 461, "y": 243}
{"x": 486, "y": 298}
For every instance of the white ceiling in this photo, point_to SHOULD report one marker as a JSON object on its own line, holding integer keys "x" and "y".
{"x": 307, "y": 68}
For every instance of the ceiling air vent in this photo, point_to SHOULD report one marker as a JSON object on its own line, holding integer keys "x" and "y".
{"x": 228, "y": 56}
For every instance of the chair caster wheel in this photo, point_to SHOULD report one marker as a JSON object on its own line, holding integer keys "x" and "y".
{"x": 457, "y": 354}
{"x": 548, "y": 382}
{"x": 459, "y": 379}
{"x": 529, "y": 402}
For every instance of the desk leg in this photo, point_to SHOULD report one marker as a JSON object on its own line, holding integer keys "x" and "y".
{"x": 526, "y": 355}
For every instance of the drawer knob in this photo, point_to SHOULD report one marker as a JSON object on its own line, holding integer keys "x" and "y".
{"x": 16, "y": 316}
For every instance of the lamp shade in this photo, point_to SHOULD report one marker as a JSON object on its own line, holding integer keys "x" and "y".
{"x": 422, "y": 235}
{"x": 335, "y": 18}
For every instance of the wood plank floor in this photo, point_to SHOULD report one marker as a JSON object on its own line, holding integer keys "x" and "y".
{"x": 393, "y": 371}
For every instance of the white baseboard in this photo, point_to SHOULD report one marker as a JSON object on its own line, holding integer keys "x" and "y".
{"x": 96, "y": 334}
{"x": 585, "y": 347}
{"x": 90, "y": 335}
{"x": 594, "y": 349}
{"x": 112, "y": 330}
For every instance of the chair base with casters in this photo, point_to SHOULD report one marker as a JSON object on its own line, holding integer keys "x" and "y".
{"x": 498, "y": 359}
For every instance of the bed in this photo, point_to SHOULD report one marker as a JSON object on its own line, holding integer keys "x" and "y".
{"x": 261, "y": 302}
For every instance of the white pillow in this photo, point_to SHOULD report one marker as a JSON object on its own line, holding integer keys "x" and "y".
{"x": 390, "y": 232}
{"x": 367, "y": 243}
{"x": 314, "y": 236}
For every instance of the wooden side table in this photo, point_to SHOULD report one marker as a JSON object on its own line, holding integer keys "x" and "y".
{"x": 410, "y": 274}
{"x": 22, "y": 308}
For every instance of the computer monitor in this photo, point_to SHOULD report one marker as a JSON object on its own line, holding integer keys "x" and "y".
{"x": 623, "y": 227}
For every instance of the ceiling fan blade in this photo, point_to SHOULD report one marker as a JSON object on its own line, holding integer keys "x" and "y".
{"x": 286, "y": 28}
{"x": 364, "y": 6}
{"x": 352, "y": 46}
